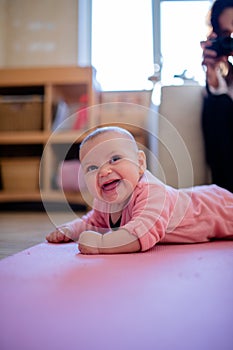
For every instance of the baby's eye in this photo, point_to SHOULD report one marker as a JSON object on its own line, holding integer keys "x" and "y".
{"x": 91, "y": 168}
{"x": 114, "y": 159}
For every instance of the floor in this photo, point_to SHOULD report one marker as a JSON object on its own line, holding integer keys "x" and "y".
{"x": 173, "y": 297}
{"x": 21, "y": 230}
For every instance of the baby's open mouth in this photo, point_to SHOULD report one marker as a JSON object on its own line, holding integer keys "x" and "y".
{"x": 111, "y": 185}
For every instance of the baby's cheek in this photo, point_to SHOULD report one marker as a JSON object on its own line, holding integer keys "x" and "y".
{"x": 89, "y": 181}
{"x": 93, "y": 187}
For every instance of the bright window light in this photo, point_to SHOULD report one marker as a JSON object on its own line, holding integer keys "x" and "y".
{"x": 122, "y": 43}
{"x": 183, "y": 26}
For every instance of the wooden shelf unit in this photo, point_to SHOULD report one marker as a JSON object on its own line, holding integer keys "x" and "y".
{"x": 53, "y": 83}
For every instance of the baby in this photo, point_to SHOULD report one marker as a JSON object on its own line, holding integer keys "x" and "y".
{"x": 132, "y": 209}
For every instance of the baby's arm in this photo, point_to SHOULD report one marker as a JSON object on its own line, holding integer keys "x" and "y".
{"x": 68, "y": 232}
{"x": 114, "y": 242}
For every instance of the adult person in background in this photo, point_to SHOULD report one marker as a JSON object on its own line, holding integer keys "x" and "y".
{"x": 217, "y": 113}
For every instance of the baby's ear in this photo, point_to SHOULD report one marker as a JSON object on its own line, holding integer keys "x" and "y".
{"x": 141, "y": 162}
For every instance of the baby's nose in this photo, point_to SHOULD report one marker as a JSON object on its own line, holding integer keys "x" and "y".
{"x": 105, "y": 170}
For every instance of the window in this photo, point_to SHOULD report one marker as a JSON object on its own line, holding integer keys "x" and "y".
{"x": 129, "y": 36}
{"x": 183, "y": 26}
{"x": 122, "y": 43}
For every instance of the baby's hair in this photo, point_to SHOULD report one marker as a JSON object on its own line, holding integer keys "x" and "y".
{"x": 104, "y": 130}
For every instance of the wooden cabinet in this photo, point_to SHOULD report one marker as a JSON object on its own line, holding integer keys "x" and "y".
{"x": 29, "y": 99}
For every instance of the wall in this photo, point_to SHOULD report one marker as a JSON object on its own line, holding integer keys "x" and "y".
{"x": 38, "y": 33}
{"x": 2, "y": 31}
{"x": 131, "y": 107}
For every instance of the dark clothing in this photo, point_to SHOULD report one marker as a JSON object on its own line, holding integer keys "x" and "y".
{"x": 217, "y": 125}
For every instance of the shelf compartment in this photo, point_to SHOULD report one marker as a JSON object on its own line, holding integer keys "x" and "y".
{"x": 21, "y": 113}
{"x": 73, "y": 85}
{"x": 20, "y": 174}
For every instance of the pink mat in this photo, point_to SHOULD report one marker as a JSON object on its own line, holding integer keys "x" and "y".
{"x": 172, "y": 297}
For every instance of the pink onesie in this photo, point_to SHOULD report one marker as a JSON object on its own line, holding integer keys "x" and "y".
{"x": 159, "y": 213}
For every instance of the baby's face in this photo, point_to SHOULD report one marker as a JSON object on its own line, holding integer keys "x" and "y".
{"x": 112, "y": 166}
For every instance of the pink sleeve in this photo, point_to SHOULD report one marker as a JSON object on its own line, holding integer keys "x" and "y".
{"x": 93, "y": 221}
{"x": 150, "y": 215}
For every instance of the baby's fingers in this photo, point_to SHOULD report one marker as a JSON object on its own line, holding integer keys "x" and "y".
{"x": 60, "y": 235}
{"x": 87, "y": 250}
{"x": 55, "y": 237}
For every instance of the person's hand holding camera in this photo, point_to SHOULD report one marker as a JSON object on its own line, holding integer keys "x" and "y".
{"x": 215, "y": 51}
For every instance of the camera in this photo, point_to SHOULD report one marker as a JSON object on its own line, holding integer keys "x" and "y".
{"x": 222, "y": 45}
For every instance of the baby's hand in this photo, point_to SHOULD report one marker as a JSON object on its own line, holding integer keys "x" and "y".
{"x": 90, "y": 242}
{"x": 60, "y": 235}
